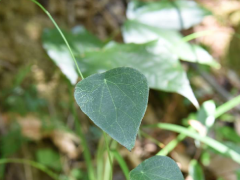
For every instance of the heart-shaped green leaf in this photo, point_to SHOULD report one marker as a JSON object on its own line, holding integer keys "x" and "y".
{"x": 115, "y": 101}
{"x": 157, "y": 168}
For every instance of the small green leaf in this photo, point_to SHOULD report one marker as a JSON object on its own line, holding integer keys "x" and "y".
{"x": 206, "y": 114}
{"x": 206, "y": 158}
{"x": 157, "y": 168}
{"x": 195, "y": 170}
{"x": 115, "y": 101}
{"x": 178, "y": 15}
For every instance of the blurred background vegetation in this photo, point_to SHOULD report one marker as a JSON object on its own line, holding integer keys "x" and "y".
{"x": 36, "y": 98}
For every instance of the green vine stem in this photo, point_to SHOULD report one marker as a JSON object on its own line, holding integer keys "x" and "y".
{"x": 59, "y": 30}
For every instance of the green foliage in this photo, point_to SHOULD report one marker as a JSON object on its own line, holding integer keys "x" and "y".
{"x": 233, "y": 146}
{"x": 206, "y": 114}
{"x": 227, "y": 133}
{"x": 205, "y": 158}
{"x": 114, "y": 95}
{"x": 157, "y": 168}
{"x": 24, "y": 100}
{"x": 19, "y": 98}
{"x": 195, "y": 170}
{"x": 76, "y": 174}
{"x": 11, "y": 142}
{"x": 49, "y": 158}
{"x": 115, "y": 101}
{"x": 238, "y": 174}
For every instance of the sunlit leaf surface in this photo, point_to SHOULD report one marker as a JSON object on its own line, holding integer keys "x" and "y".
{"x": 135, "y": 32}
{"x": 180, "y": 14}
{"x": 115, "y": 101}
{"x": 206, "y": 113}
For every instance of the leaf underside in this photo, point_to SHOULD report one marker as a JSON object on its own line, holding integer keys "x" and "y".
{"x": 115, "y": 101}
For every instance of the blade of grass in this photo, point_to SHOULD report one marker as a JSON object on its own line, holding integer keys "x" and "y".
{"x": 109, "y": 155}
{"x": 107, "y": 169}
{"x": 121, "y": 163}
{"x": 33, "y": 164}
{"x": 161, "y": 145}
{"x": 100, "y": 159}
{"x": 221, "y": 148}
{"x": 171, "y": 145}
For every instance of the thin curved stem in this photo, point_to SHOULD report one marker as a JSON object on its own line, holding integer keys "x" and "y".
{"x": 109, "y": 154}
{"x": 160, "y": 144}
{"x": 171, "y": 145}
{"x": 59, "y": 30}
{"x": 227, "y": 106}
{"x": 33, "y": 164}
